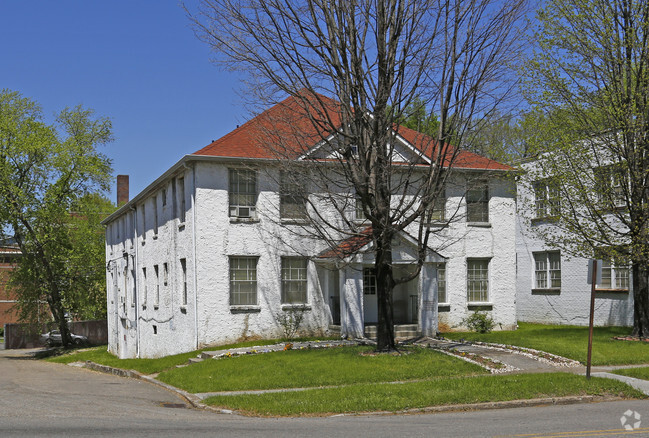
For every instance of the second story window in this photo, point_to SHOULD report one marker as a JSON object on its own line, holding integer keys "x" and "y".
{"x": 546, "y": 199}
{"x": 611, "y": 185}
{"x": 292, "y": 197}
{"x": 438, "y": 210}
{"x": 477, "y": 203}
{"x": 242, "y": 193}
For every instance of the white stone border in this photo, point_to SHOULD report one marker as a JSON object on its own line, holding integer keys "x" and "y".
{"x": 539, "y": 355}
{"x": 458, "y": 354}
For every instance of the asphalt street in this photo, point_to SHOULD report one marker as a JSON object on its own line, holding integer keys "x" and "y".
{"x": 53, "y": 400}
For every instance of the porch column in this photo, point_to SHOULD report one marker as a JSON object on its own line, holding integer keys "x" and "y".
{"x": 428, "y": 307}
{"x": 351, "y": 302}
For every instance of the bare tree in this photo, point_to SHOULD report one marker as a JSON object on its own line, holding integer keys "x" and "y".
{"x": 374, "y": 59}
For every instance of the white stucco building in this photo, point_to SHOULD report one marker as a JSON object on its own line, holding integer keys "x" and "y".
{"x": 552, "y": 286}
{"x": 204, "y": 255}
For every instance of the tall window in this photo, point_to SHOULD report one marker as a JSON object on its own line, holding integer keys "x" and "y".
{"x": 441, "y": 283}
{"x": 155, "y": 215}
{"x": 477, "y": 203}
{"x": 183, "y": 268}
{"x": 477, "y": 280}
{"x": 165, "y": 274}
{"x": 143, "y": 207}
{"x": 369, "y": 281}
{"x": 547, "y": 270}
{"x": 614, "y": 275}
{"x": 243, "y": 281}
{"x": 359, "y": 212}
{"x": 242, "y": 193}
{"x": 292, "y": 197}
{"x": 546, "y": 199}
{"x": 181, "y": 196}
{"x": 294, "y": 282}
{"x": 144, "y": 287}
{"x": 156, "y": 271}
{"x": 610, "y": 184}
{"x": 438, "y": 213}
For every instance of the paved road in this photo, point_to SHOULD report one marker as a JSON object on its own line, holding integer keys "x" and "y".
{"x": 42, "y": 399}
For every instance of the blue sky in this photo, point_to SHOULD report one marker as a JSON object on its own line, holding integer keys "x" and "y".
{"x": 137, "y": 62}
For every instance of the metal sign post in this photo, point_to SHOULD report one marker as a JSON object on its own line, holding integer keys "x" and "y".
{"x": 595, "y": 275}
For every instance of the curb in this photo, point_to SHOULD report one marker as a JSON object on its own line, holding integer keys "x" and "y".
{"x": 196, "y": 402}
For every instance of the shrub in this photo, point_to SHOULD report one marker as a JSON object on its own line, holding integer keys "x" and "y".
{"x": 290, "y": 321}
{"x": 479, "y": 322}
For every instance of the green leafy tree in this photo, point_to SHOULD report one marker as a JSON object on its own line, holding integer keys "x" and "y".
{"x": 590, "y": 83}
{"x": 49, "y": 176}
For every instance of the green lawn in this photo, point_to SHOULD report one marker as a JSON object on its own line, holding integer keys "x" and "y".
{"x": 570, "y": 342}
{"x": 436, "y": 392}
{"x": 313, "y": 368}
{"x": 101, "y": 356}
{"x": 638, "y": 373}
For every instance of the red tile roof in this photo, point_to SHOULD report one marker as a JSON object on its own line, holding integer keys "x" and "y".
{"x": 287, "y": 126}
{"x": 349, "y": 246}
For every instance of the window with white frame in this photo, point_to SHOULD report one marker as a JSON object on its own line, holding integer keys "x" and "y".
{"x": 610, "y": 185}
{"x": 441, "y": 283}
{"x": 369, "y": 281}
{"x": 294, "y": 280}
{"x": 359, "y": 211}
{"x": 183, "y": 273}
{"x": 477, "y": 203}
{"x": 477, "y": 280}
{"x": 144, "y": 287}
{"x": 547, "y": 200}
{"x": 547, "y": 270}
{"x": 242, "y": 193}
{"x": 614, "y": 275}
{"x": 243, "y": 281}
{"x": 181, "y": 198}
{"x": 292, "y": 197}
{"x": 156, "y": 271}
{"x": 438, "y": 211}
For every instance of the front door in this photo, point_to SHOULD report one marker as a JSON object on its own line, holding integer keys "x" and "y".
{"x": 370, "y": 304}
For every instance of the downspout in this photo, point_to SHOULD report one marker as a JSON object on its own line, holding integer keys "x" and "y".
{"x": 193, "y": 201}
{"x": 135, "y": 284}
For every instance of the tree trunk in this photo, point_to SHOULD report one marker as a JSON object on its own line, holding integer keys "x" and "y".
{"x": 384, "y": 287}
{"x": 641, "y": 300}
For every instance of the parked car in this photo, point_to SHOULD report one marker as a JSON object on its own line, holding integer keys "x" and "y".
{"x": 54, "y": 338}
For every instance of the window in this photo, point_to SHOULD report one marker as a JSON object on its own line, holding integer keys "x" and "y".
{"x": 243, "y": 193}
{"x": 165, "y": 274}
{"x": 164, "y": 197}
{"x": 547, "y": 270}
{"x": 156, "y": 271}
{"x": 144, "y": 221}
{"x": 144, "y": 287}
{"x": 183, "y": 268}
{"x": 438, "y": 212}
{"x": 292, "y": 197}
{"x": 181, "y": 196}
{"x": 614, "y": 276}
{"x": 610, "y": 184}
{"x": 155, "y": 215}
{"x": 546, "y": 199}
{"x": 294, "y": 282}
{"x": 359, "y": 212}
{"x": 441, "y": 283}
{"x": 243, "y": 281}
{"x": 477, "y": 203}
{"x": 478, "y": 281}
{"x": 369, "y": 281}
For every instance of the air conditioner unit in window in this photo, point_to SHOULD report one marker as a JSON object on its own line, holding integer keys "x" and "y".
{"x": 242, "y": 212}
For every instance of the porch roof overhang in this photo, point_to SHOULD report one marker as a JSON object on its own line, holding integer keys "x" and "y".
{"x": 358, "y": 248}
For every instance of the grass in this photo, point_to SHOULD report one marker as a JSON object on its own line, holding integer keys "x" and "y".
{"x": 638, "y": 373}
{"x": 436, "y": 392}
{"x": 313, "y": 368}
{"x": 101, "y": 356}
{"x": 570, "y": 342}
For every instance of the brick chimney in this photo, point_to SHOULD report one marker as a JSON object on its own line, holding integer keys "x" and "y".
{"x": 122, "y": 190}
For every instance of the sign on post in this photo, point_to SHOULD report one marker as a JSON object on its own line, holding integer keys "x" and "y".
{"x": 589, "y": 279}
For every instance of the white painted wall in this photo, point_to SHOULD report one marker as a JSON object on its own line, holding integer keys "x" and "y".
{"x": 570, "y": 305}
{"x": 210, "y": 319}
